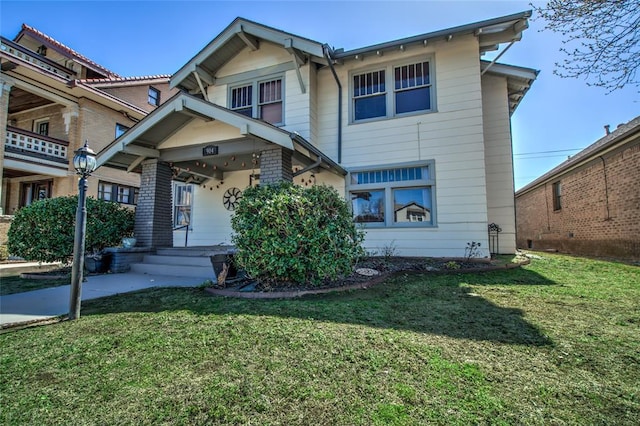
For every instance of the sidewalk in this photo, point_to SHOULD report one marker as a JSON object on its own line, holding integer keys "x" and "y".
{"x": 49, "y": 303}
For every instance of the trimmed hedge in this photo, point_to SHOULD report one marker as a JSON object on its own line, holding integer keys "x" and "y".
{"x": 290, "y": 235}
{"x": 44, "y": 230}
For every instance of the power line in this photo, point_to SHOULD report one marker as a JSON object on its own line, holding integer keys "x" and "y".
{"x": 549, "y": 152}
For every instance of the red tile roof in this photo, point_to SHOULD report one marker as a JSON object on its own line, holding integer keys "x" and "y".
{"x": 40, "y": 35}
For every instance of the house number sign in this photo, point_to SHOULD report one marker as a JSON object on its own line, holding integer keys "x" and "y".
{"x": 209, "y": 150}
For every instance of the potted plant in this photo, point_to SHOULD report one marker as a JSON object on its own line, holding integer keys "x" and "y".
{"x": 129, "y": 241}
{"x": 96, "y": 262}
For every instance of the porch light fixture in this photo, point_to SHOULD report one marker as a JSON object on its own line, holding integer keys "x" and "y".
{"x": 84, "y": 161}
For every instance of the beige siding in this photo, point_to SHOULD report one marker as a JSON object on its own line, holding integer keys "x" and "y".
{"x": 452, "y": 136}
{"x": 297, "y": 105}
{"x": 498, "y": 160}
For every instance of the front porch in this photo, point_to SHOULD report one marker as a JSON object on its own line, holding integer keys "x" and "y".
{"x": 192, "y": 141}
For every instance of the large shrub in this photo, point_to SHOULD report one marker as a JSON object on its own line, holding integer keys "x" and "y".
{"x": 44, "y": 230}
{"x": 289, "y": 234}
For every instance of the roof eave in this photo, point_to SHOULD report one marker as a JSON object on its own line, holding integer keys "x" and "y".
{"x": 474, "y": 28}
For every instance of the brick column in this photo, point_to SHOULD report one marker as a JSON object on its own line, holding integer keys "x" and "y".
{"x": 153, "y": 226}
{"x": 5, "y": 88}
{"x": 275, "y": 166}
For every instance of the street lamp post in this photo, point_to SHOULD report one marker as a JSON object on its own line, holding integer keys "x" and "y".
{"x": 84, "y": 161}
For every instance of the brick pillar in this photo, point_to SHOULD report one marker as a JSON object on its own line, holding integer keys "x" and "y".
{"x": 275, "y": 166}
{"x": 5, "y": 88}
{"x": 153, "y": 226}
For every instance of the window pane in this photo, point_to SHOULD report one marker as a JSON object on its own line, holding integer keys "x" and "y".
{"x": 374, "y": 106}
{"x": 271, "y": 113}
{"x": 183, "y": 215}
{"x": 412, "y": 205}
{"x": 413, "y": 100}
{"x": 368, "y": 206}
{"x": 241, "y": 98}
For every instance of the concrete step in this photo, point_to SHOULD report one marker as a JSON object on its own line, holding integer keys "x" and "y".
{"x": 204, "y": 272}
{"x": 194, "y": 251}
{"x": 177, "y": 260}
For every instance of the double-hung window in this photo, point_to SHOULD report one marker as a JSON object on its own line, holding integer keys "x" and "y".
{"x": 153, "y": 96}
{"x": 411, "y": 91}
{"x": 182, "y": 204}
{"x": 259, "y": 99}
{"x": 402, "y": 195}
{"x": 369, "y": 95}
{"x": 557, "y": 196}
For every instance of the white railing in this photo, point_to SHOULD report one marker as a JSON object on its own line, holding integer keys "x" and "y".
{"x": 33, "y": 58}
{"x": 28, "y": 142}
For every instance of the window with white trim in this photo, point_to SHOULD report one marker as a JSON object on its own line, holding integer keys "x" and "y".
{"x": 182, "y": 204}
{"x": 269, "y": 96}
{"x": 412, "y": 91}
{"x": 123, "y": 194}
{"x": 402, "y": 195}
{"x": 41, "y": 126}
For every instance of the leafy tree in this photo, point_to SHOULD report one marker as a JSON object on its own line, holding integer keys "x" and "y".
{"x": 601, "y": 39}
{"x": 294, "y": 235}
{"x": 44, "y": 230}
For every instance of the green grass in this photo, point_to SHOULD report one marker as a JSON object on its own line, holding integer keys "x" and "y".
{"x": 15, "y": 284}
{"x": 555, "y": 342}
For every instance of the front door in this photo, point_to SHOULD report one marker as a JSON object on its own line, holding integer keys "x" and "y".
{"x": 34, "y": 191}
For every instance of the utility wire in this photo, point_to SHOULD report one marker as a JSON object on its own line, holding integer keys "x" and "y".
{"x": 549, "y": 152}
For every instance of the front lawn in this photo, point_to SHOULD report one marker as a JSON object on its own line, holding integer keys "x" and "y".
{"x": 555, "y": 342}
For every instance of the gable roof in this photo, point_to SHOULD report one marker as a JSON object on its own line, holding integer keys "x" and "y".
{"x": 601, "y": 146}
{"x": 143, "y": 139}
{"x": 65, "y": 50}
{"x": 238, "y": 35}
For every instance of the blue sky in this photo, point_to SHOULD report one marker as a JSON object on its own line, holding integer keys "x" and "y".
{"x": 158, "y": 37}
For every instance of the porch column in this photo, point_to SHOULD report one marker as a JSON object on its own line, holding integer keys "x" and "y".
{"x": 153, "y": 227}
{"x": 275, "y": 166}
{"x": 5, "y": 89}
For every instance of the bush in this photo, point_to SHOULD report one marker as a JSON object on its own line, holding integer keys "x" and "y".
{"x": 44, "y": 231}
{"x": 290, "y": 234}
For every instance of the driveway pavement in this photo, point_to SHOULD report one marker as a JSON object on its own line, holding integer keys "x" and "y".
{"x": 49, "y": 303}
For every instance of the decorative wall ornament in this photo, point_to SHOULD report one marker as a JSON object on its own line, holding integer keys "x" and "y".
{"x": 231, "y": 198}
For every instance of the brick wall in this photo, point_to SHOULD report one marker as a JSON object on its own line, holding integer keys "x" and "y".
{"x": 154, "y": 227}
{"x": 5, "y": 224}
{"x": 138, "y": 95}
{"x": 275, "y": 166}
{"x": 596, "y": 219}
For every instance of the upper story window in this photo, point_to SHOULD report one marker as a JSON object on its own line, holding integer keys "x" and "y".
{"x": 411, "y": 93}
{"x": 269, "y": 96}
{"x": 42, "y": 50}
{"x": 242, "y": 100}
{"x": 394, "y": 196}
{"x": 41, "y": 126}
{"x": 120, "y": 129}
{"x": 154, "y": 96}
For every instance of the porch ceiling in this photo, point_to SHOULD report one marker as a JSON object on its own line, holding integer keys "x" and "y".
{"x": 232, "y": 142}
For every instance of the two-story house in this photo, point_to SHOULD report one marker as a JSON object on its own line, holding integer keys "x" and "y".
{"x": 53, "y": 100}
{"x": 414, "y": 132}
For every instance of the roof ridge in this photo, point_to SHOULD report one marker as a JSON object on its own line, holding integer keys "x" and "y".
{"x": 120, "y": 79}
{"x": 66, "y": 48}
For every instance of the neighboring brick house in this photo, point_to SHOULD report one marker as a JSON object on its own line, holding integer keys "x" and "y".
{"x": 53, "y": 100}
{"x": 590, "y": 204}
{"x": 414, "y": 132}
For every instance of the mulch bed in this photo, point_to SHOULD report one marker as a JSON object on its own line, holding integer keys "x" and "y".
{"x": 386, "y": 266}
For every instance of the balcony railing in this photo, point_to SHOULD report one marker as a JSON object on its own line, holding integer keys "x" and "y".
{"x": 32, "y": 57}
{"x": 25, "y": 142}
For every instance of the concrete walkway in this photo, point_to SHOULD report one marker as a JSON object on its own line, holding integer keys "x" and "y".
{"x": 49, "y": 303}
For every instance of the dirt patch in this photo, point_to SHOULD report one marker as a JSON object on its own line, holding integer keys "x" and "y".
{"x": 371, "y": 271}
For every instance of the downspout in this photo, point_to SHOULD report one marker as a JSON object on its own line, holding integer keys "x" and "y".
{"x": 327, "y": 55}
